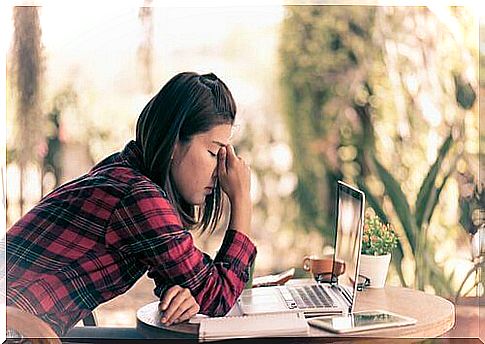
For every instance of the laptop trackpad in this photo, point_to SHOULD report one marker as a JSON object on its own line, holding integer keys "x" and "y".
{"x": 262, "y": 300}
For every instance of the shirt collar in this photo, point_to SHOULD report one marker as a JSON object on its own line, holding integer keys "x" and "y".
{"x": 133, "y": 155}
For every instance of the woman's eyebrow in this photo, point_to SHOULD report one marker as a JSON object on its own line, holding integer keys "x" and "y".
{"x": 219, "y": 143}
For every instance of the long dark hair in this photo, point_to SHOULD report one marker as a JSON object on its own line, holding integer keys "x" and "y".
{"x": 187, "y": 105}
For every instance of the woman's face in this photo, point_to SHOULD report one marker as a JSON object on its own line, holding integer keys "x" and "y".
{"x": 194, "y": 164}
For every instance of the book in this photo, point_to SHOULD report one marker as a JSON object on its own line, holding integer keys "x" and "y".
{"x": 261, "y": 325}
{"x": 272, "y": 280}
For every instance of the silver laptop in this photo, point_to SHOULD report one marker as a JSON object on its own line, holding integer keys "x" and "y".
{"x": 317, "y": 298}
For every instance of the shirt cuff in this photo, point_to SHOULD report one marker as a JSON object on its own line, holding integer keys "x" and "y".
{"x": 237, "y": 252}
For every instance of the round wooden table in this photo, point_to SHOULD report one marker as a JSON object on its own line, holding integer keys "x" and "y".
{"x": 434, "y": 315}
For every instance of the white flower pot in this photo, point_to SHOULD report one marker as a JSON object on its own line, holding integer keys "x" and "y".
{"x": 375, "y": 268}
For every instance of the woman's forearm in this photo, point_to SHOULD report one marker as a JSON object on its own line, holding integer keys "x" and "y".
{"x": 241, "y": 215}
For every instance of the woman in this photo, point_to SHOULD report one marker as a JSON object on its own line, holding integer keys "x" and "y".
{"x": 91, "y": 239}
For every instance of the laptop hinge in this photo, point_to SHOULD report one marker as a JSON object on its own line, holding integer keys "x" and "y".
{"x": 344, "y": 296}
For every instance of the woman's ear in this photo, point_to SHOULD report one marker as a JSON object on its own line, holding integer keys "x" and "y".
{"x": 177, "y": 151}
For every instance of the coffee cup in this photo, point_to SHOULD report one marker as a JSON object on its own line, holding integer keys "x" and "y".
{"x": 322, "y": 267}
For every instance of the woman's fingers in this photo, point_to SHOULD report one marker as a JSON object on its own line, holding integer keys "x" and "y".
{"x": 231, "y": 156}
{"x": 182, "y": 308}
{"x": 175, "y": 304}
{"x": 221, "y": 164}
{"x": 168, "y": 296}
{"x": 227, "y": 154}
{"x": 182, "y": 303}
{"x": 189, "y": 313}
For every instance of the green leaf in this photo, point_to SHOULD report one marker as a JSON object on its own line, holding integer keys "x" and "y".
{"x": 433, "y": 200}
{"x": 465, "y": 94}
{"x": 399, "y": 202}
{"x": 397, "y": 257}
{"x": 427, "y": 196}
{"x": 449, "y": 280}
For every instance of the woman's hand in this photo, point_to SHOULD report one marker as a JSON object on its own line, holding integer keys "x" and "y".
{"x": 233, "y": 173}
{"x": 177, "y": 305}
{"x": 235, "y": 179}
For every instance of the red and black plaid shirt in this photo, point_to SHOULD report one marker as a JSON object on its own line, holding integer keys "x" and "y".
{"x": 94, "y": 237}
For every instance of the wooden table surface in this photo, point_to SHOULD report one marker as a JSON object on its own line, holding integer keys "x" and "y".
{"x": 434, "y": 315}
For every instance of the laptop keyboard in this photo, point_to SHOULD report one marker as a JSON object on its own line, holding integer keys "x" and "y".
{"x": 311, "y": 296}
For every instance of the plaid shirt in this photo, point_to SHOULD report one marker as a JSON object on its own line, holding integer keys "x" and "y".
{"x": 91, "y": 239}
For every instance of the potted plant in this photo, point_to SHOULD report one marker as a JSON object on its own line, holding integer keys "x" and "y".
{"x": 378, "y": 241}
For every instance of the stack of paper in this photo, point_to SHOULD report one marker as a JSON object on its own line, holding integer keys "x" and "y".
{"x": 263, "y": 325}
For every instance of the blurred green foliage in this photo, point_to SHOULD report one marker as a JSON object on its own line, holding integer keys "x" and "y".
{"x": 369, "y": 92}
{"x": 321, "y": 54}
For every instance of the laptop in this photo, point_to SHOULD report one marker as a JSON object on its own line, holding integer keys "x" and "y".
{"x": 319, "y": 298}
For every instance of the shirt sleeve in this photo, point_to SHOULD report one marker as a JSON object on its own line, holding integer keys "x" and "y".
{"x": 146, "y": 225}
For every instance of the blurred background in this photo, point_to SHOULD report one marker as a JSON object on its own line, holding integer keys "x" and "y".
{"x": 385, "y": 98}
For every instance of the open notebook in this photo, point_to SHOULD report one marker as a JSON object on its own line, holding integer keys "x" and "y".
{"x": 262, "y": 325}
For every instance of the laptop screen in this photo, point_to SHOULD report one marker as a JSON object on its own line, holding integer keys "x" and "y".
{"x": 350, "y": 216}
